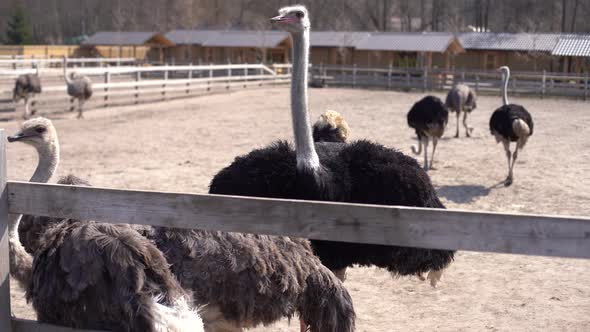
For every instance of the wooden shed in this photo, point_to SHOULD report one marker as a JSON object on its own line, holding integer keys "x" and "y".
{"x": 407, "y": 49}
{"x": 117, "y": 44}
{"x": 335, "y": 47}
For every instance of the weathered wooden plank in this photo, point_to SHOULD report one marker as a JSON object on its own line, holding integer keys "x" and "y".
{"x": 23, "y": 325}
{"x": 4, "y": 255}
{"x": 418, "y": 227}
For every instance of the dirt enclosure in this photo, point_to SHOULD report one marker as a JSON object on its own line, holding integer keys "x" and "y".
{"x": 179, "y": 145}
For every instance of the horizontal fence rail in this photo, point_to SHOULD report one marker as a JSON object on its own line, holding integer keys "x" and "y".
{"x": 360, "y": 223}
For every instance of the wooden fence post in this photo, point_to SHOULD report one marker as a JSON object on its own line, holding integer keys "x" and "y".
{"x": 354, "y": 75}
{"x": 107, "y": 80}
{"x": 246, "y": 75}
{"x": 425, "y": 80}
{"x": 586, "y": 86}
{"x": 137, "y": 79}
{"x": 228, "y": 76}
{"x": 389, "y": 77}
{"x": 261, "y": 72}
{"x": 543, "y": 81}
{"x": 477, "y": 84}
{"x": 210, "y": 77}
{"x": 165, "y": 79}
{"x": 5, "y": 314}
{"x": 408, "y": 85}
{"x": 14, "y": 62}
{"x": 190, "y": 77}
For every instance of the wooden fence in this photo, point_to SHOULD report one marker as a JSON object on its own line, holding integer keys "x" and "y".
{"x": 387, "y": 225}
{"x": 521, "y": 83}
{"x": 134, "y": 84}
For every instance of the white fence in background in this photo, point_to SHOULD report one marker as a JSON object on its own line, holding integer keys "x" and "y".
{"x": 28, "y": 62}
{"x": 135, "y": 84}
{"x": 521, "y": 83}
{"x": 385, "y": 225}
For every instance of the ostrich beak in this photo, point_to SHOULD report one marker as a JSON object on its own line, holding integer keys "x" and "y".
{"x": 282, "y": 19}
{"x": 16, "y": 137}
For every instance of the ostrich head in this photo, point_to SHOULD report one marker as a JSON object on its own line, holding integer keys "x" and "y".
{"x": 293, "y": 19}
{"x": 331, "y": 127}
{"x": 37, "y": 132}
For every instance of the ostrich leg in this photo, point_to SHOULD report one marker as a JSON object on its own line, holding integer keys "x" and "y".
{"x": 468, "y": 129}
{"x": 27, "y": 110}
{"x": 508, "y": 180}
{"x": 458, "y": 115}
{"x": 425, "y": 153}
{"x": 80, "y": 110}
{"x": 434, "y": 143}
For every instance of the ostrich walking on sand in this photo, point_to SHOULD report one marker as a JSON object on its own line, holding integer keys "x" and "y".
{"x": 359, "y": 172}
{"x": 93, "y": 275}
{"x": 79, "y": 87}
{"x": 462, "y": 99}
{"x": 428, "y": 117}
{"x": 510, "y": 123}
{"x": 25, "y": 87}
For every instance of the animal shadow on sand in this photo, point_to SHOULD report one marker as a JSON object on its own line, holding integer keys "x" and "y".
{"x": 462, "y": 194}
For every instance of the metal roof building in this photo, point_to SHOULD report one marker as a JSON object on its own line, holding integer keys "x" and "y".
{"x": 577, "y": 46}
{"x": 239, "y": 38}
{"x": 437, "y": 42}
{"x": 543, "y": 42}
{"x": 125, "y": 38}
{"x": 337, "y": 38}
{"x": 191, "y": 37}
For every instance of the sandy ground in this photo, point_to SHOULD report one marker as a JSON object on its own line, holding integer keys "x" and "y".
{"x": 179, "y": 145}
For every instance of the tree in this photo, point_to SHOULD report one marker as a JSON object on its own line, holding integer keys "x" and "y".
{"x": 18, "y": 31}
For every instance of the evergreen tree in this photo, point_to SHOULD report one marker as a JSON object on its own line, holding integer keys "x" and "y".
{"x": 18, "y": 32}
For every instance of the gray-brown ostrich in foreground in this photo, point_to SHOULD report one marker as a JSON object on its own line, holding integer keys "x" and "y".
{"x": 78, "y": 87}
{"x": 462, "y": 99}
{"x": 91, "y": 275}
{"x": 358, "y": 172}
{"x": 429, "y": 118}
{"x": 25, "y": 87}
{"x": 510, "y": 123}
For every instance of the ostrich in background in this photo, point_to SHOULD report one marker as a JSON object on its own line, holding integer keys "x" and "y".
{"x": 462, "y": 99}
{"x": 428, "y": 117}
{"x": 25, "y": 87}
{"x": 510, "y": 123}
{"x": 331, "y": 127}
{"x": 79, "y": 87}
{"x": 359, "y": 172}
{"x": 92, "y": 275}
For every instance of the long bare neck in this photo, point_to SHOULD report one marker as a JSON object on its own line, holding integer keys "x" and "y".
{"x": 505, "y": 77}
{"x": 307, "y": 157}
{"x": 68, "y": 80}
{"x": 21, "y": 262}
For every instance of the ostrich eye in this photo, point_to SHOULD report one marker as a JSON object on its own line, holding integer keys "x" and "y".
{"x": 299, "y": 14}
{"x": 40, "y": 130}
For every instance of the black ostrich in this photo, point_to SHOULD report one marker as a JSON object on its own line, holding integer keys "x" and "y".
{"x": 360, "y": 172}
{"x": 429, "y": 118}
{"x": 510, "y": 123}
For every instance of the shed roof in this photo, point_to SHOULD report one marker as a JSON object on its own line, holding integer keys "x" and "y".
{"x": 573, "y": 46}
{"x": 408, "y": 41}
{"x": 543, "y": 42}
{"x": 238, "y": 38}
{"x": 337, "y": 38}
{"x": 191, "y": 37}
{"x": 127, "y": 38}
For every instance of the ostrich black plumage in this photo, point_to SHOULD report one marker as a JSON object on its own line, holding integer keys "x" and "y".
{"x": 429, "y": 118}
{"x": 360, "y": 172}
{"x": 510, "y": 123}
